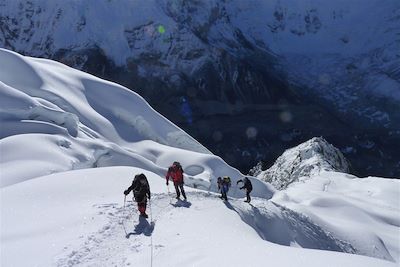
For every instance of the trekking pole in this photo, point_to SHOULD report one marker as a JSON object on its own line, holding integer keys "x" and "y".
{"x": 169, "y": 195}
{"x": 151, "y": 212}
{"x": 122, "y": 219}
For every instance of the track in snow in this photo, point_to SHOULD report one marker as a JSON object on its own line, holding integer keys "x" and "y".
{"x": 127, "y": 239}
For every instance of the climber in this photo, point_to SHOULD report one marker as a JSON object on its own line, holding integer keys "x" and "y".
{"x": 141, "y": 191}
{"x": 246, "y": 185}
{"x": 219, "y": 183}
{"x": 175, "y": 172}
{"x": 224, "y": 184}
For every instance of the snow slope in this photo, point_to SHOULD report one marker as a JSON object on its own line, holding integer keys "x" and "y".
{"x": 77, "y": 219}
{"x": 55, "y": 118}
{"x": 363, "y": 211}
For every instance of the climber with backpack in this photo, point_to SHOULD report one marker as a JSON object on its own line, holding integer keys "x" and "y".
{"x": 223, "y": 185}
{"x": 141, "y": 191}
{"x": 246, "y": 185}
{"x": 219, "y": 183}
{"x": 175, "y": 173}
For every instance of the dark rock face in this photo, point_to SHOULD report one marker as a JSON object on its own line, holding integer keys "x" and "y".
{"x": 226, "y": 88}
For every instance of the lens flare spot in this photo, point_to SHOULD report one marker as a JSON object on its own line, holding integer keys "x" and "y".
{"x": 286, "y": 116}
{"x": 251, "y": 132}
{"x": 324, "y": 79}
{"x": 217, "y": 136}
{"x": 186, "y": 110}
{"x": 161, "y": 29}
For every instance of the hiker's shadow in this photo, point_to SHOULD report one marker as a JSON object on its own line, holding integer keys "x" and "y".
{"x": 229, "y": 205}
{"x": 143, "y": 227}
{"x": 183, "y": 204}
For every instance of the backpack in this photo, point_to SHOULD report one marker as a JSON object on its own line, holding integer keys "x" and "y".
{"x": 176, "y": 165}
{"x": 175, "y": 172}
{"x": 141, "y": 185}
{"x": 226, "y": 180}
{"x": 177, "y": 168}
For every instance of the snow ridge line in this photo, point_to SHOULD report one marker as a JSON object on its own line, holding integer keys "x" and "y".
{"x": 280, "y": 225}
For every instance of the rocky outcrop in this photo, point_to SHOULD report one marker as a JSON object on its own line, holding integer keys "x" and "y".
{"x": 303, "y": 161}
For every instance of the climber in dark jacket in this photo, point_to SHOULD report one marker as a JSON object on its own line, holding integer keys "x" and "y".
{"x": 246, "y": 185}
{"x": 141, "y": 191}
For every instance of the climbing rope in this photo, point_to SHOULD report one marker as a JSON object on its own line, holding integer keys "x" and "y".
{"x": 170, "y": 200}
{"x": 151, "y": 236}
{"x": 151, "y": 222}
{"x": 123, "y": 217}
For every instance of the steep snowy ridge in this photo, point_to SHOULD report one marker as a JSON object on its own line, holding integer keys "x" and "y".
{"x": 303, "y": 161}
{"x": 86, "y": 122}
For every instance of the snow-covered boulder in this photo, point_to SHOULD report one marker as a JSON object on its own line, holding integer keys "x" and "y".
{"x": 305, "y": 160}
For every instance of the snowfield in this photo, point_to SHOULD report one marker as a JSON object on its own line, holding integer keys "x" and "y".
{"x": 77, "y": 218}
{"x": 363, "y": 211}
{"x": 71, "y": 144}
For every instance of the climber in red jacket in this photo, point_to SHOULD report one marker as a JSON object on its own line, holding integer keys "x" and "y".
{"x": 175, "y": 172}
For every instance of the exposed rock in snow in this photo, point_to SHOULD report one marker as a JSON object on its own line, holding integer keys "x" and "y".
{"x": 303, "y": 161}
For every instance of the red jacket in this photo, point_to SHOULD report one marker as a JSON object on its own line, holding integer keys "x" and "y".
{"x": 175, "y": 173}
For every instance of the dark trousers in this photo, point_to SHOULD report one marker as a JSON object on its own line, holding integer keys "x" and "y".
{"x": 224, "y": 191}
{"x": 141, "y": 203}
{"x": 142, "y": 207}
{"x": 179, "y": 186}
{"x": 248, "y": 195}
{"x": 224, "y": 196}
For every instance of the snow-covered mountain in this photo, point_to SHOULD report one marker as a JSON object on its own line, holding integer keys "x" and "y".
{"x": 55, "y": 119}
{"x": 301, "y": 69}
{"x": 303, "y": 161}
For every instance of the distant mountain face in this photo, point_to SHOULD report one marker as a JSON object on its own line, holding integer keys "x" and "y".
{"x": 303, "y": 161}
{"x": 247, "y": 79}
